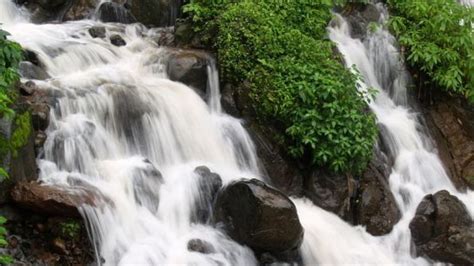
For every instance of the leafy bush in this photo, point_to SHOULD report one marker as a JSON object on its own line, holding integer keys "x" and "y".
{"x": 438, "y": 39}
{"x": 4, "y": 259}
{"x": 296, "y": 80}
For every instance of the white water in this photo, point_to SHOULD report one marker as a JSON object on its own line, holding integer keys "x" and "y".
{"x": 115, "y": 108}
{"x": 417, "y": 170}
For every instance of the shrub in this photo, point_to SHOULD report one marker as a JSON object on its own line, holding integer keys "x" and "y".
{"x": 438, "y": 39}
{"x": 296, "y": 80}
{"x": 4, "y": 259}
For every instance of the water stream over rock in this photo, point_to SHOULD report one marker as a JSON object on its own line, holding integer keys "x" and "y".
{"x": 120, "y": 128}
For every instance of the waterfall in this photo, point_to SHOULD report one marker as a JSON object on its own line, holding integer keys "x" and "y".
{"x": 417, "y": 170}
{"x": 121, "y": 129}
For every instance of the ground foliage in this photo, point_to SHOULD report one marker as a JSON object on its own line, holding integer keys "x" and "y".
{"x": 437, "y": 38}
{"x": 297, "y": 80}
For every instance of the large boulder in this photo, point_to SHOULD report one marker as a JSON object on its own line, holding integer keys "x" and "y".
{"x": 50, "y": 200}
{"x": 189, "y": 67}
{"x": 258, "y": 216}
{"x": 376, "y": 207}
{"x": 443, "y": 230}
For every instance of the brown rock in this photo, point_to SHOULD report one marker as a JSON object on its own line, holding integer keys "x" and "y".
{"x": 50, "y": 200}
{"x": 258, "y": 216}
{"x": 59, "y": 246}
{"x": 442, "y": 229}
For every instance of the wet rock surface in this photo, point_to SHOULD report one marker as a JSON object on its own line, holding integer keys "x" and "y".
{"x": 40, "y": 240}
{"x": 209, "y": 184}
{"x": 157, "y": 13}
{"x": 189, "y": 67}
{"x": 201, "y": 246}
{"x": 359, "y": 16}
{"x": 113, "y": 12}
{"x": 376, "y": 207}
{"x": 260, "y": 217}
{"x": 117, "y": 40}
{"x": 97, "y": 32}
{"x": 443, "y": 230}
{"x": 452, "y": 122}
{"x": 50, "y": 200}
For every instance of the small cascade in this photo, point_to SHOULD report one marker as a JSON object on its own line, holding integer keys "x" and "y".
{"x": 417, "y": 170}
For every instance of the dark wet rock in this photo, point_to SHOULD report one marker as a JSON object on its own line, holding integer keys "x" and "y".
{"x": 97, "y": 32}
{"x": 113, "y": 12}
{"x": 228, "y": 101}
{"x": 359, "y": 16}
{"x": 81, "y": 9}
{"x": 31, "y": 57}
{"x": 376, "y": 207}
{"x": 209, "y": 184}
{"x": 279, "y": 171}
{"x": 50, "y": 200}
{"x": 59, "y": 246}
{"x": 258, "y": 216}
{"x": 147, "y": 181}
{"x": 21, "y": 164}
{"x": 331, "y": 192}
{"x": 40, "y": 116}
{"x": 164, "y": 36}
{"x": 29, "y": 70}
{"x": 45, "y": 10}
{"x": 452, "y": 123}
{"x": 201, "y": 246}
{"x": 40, "y": 240}
{"x": 158, "y": 13}
{"x": 189, "y": 67}
{"x": 443, "y": 230}
{"x": 117, "y": 40}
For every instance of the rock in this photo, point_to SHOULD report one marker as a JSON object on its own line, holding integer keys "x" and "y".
{"x": 330, "y": 192}
{"x": 164, "y": 36}
{"x": 40, "y": 116}
{"x": 81, "y": 9}
{"x": 31, "y": 71}
{"x": 50, "y": 200}
{"x": 21, "y": 165}
{"x": 209, "y": 184}
{"x": 158, "y": 13}
{"x": 113, "y": 12}
{"x": 258, "y": 216}
{"x": 228, "y": 101}
{"x": 45, "y": 10}
{"x": 59, "y": 246}
{"x": 443, "y": 230}
{"x": 279, "y": 171}
{"x": 451, "y": 121}
{"x": 97, "y": 32}
{"x": 147, "y": 181}
{"x": 117, "y": 40}
{"x": 377, "y": 208}
{"x": 31, "y": 57}
{"x": 189, "y": 67}
{"x": 359, "y": 15}
{"x": 201, "y": 246}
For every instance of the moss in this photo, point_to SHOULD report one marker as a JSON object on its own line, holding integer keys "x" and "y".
{"x": 22, "y": 132}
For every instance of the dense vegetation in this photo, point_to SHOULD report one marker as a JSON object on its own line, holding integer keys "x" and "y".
{"x": 438, "y": 39}
{"x": 296, "y": 79}
{"x": 10, "y": 56}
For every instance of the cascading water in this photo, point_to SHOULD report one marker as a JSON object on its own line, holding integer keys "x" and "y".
{"x": 417, "y": 170}
{"x": 116, "y": 120}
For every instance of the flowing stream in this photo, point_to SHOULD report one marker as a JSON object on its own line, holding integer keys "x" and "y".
{"x": 121, "y": 128}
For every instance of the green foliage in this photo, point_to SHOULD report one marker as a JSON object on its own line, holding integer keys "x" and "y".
{"x": 438, "y": 38}
{"x": 70, "y": 229}
{"x": 4, "y": 259}
{"x": 296, "y": 80}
